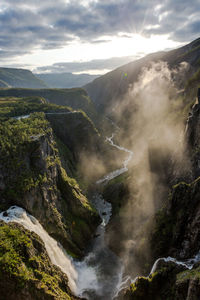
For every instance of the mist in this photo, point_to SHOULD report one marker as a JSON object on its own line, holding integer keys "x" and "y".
{"x": 152, "y": 127}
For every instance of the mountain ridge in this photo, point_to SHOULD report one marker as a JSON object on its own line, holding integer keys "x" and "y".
{"x": 115, "y": 84}
{"x": 13, "y": 77}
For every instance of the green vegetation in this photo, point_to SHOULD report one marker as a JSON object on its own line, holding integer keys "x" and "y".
{"x": 66, "y": 157}
{"x": 24, "y": 264}
{"x": 16, "y": 139}
{"x": 76, "y": 98}
{"x": 171, "y": 220}
{"x": 188, "y": 274}
{"x": 33, "y": 177}
{"x": 12, "y": 106}
{"x": 194, "y": 80}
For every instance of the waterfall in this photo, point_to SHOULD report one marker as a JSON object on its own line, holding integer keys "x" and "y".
{"x": 81, "y": 276}
{"x": 100, "y": 274}
{"x": 56, "y": 253}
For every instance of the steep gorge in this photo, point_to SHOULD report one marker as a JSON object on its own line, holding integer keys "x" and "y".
{"x": 68, "y": 174}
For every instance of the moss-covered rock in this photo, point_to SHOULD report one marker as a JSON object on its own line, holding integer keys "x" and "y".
{"x": 84, "y": 152}
{"x": 159, "y": 285}
{"x": 26, "y": 272}
{"x": 31, "y": 176}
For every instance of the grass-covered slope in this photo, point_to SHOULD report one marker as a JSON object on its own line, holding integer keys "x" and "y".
{"x": 26, "y": 271}
{"x": 13, "y": 106}
{"x": 10, "y": 77}
{"x": 76, "y": 98}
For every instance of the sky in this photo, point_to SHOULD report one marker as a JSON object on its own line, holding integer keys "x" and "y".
{"x": 91, "y": 36}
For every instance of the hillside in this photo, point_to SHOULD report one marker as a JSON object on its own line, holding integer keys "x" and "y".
{"x": 76, "y": 98}
{"x": 10, "y": 77}
{"x": 66, "y": 80}
{"x": 110, "y": 87}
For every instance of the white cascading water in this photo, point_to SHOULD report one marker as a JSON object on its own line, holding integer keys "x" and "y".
{"x": 188, "y": 263}
{"x": 57, "y": 255}
{"x": 100, "y": 274}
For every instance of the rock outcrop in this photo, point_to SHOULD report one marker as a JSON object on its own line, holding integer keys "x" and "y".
{"x": 31, "y": 176}
{"x": 26, "y": 272}
{"x": 170, "y": 281}
{"x": 177, "y": 232}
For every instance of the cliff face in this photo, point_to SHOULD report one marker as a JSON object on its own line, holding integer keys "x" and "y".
{"x": 170, "y": 281}
{"x": 177, "y": 232}
{"x": 83, "y": 149}
{"x": 31, "y": 176}
{"x": 26, "y": 272}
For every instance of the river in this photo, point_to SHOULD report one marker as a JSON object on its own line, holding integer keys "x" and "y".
{"x": 100, "y": 274}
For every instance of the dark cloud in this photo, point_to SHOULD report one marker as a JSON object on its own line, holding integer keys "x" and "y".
{"x": 96, "y": 64}
{"x": 179, "y": 19}
{"x": 27, "y": 25}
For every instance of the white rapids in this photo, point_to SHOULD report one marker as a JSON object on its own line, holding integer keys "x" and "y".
{"x": 188, "y": 263}
{"x": 100, "y": 274}
{"x": 120, "y": 171}
{"x": 80, "y": 275}
{"x": 56, "y": 253}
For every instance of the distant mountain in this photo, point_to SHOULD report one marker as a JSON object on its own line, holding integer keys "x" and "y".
{"x": 66, "y": 80}
{"x": 115, "y": 84}
{"x": 10, "y": 77}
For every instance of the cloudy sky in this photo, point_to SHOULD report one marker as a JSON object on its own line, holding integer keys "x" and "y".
{"x": 91, "y": 35}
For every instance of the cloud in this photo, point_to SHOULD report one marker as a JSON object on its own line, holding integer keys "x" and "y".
{"x": 96, "y": 64}
{"x": 178, "y": 19}
{"x": 27, "y": 25}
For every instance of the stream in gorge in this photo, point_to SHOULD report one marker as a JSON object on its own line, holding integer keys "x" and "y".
{"x": 100, "y": 275}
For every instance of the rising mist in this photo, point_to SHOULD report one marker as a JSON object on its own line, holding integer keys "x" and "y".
{"x": 152, "y": 127}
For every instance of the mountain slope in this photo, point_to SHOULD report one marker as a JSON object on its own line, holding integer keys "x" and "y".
{"x": 66, "y": 80}
{"x": 10, "y": 77}
{"x": 113, "y": 85}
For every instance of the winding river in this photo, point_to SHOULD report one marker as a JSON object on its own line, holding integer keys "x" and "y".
{"x": 100, "y": 274}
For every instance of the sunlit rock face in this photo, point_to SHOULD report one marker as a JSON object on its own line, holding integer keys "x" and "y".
{"x": 177, "y": 233}
{"x": 33, "y": 178}
{"x": 27, "y": 273}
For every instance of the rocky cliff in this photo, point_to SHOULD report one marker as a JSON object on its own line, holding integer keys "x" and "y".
{"x": 31, "y": 176}
{"x": 176, "y": 233}
{"x": 26, "y": 272}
